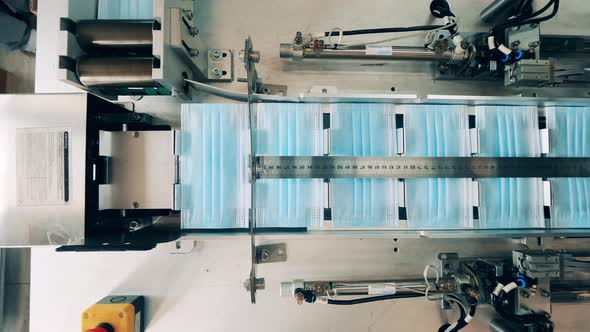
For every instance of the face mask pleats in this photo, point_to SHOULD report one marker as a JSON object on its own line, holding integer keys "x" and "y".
{"x": 289, "y": 130}
{"x": 130, "y": 9}
{"x": 214, "y": 144}
{"x": 570, "y": 137}
{"x": 437, "y": 131}
{"x": 215, "y": 188}
{"x": 363, "y": 130}
{"x": 509, "y": 131}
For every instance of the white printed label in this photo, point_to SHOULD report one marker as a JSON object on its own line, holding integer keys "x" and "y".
{"x": 43, "y": 166}
{"x": 378, "y": 50}
{"x": 381, "y": 289}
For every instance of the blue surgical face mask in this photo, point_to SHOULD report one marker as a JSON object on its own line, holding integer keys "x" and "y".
{"x": 509, "y": 131}
{"x": 569, "y": 137}
{"x": 129, "y": 9}
{"x": 437, "y": 131}
{"x": 363, "y": 130}
{"x": 215, "y": 191}
{"x": 289, "y": 130}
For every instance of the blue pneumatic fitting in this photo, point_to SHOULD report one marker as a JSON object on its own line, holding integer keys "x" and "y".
{"x": 521, "y": 282}
{"x": 506, "y": 58}
{"x": 518, "y": 55}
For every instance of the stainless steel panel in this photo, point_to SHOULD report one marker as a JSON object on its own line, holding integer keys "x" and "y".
{"x": 42, "y": 224}
{"x": 126, "y": 35}
{"x": 142, "y": 170}
{"x": 115, "y": 72}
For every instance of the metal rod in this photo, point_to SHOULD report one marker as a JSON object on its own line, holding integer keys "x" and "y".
{"x": 397, "y": 53}
{"x": 115, "y": 71}
{"x": 399, "y": 286}
{"x": 118, "y": 35}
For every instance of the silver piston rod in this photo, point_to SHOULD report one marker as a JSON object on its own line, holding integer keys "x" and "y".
{"x": 396, "y": 53}
{"x": 372, "y": 287}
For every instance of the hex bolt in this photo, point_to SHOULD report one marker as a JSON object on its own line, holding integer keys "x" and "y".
{"x": 216, "y": 72}
{"x": 255, "y": 56}
{"x": 134, "y": 224}
{"x": 298, "y": 38}
{"x": 260, "y": 284}
{"x": 264, "y": 255}
{"x": 193, "y": 52}
{"x": 216, "y": 55}
{"x": 188, "y": 13}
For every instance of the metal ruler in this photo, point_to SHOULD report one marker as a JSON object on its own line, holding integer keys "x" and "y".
{"x": 326, "y": 167}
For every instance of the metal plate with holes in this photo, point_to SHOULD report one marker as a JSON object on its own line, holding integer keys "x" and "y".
{"x": 220, "y": 65}
{"x": 142, "y": 170}
{"x": 418, "y": 167}
{"x": 271, "y": 253}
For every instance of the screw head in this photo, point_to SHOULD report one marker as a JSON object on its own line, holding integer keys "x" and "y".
{"x": 216, "y": 72}
{"x": 121, "y": 315}
{"x": 134, "y": 224}
{"x": 135, "y": 205}
{"x": 86, "y": 315}
{"x": 216, "y": 55}
{"x": 264, "y": 255}
{"x": 280, "y": 252}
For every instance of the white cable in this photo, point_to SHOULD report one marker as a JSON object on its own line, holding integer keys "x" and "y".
{"x": 504, "y": 49}
{"x": 491, "y": 42}
{"x": 425, "y": 273}
{"x": 510, "y": 287}
{"x": 402, "y": 37}
{"x": 498, "y": 289}
{"x": 340, "y": 37}
{"x": 428, "y": 286}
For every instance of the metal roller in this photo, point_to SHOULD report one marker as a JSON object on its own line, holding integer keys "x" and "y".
{"x": 115, "y": 35}
{"x": 115, "y": 71}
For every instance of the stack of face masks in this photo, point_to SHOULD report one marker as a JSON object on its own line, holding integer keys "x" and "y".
{"x": 509, "y": 131}
{"x": 215, "y": 191}
{"x": 437, "y": 131}
{"x": 363, "y": 130}
{"x": 125, "y": 9}
{"x": 569, "y": 137}
{"x": 289, "y": 130}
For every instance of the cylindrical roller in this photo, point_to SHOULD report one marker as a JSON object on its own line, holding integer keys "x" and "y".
{"x": 115, "y": 35}
{"x": 498, "y": 10}
{"x": 115, "y": 72}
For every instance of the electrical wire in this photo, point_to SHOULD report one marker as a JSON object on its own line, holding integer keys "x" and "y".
{"x": 372, "y": 299}
{"x": 453, "y": 23}
{"x": 384, "y": 30}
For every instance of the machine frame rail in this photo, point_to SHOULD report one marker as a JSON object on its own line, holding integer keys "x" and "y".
{"x": 326, "y": 167}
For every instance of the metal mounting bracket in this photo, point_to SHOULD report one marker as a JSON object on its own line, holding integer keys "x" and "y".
{"x": 220, "y": 65}
{"x": 271, "y": 253}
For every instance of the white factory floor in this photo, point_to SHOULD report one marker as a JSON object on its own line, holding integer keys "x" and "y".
{"x": 20, "y": 78}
